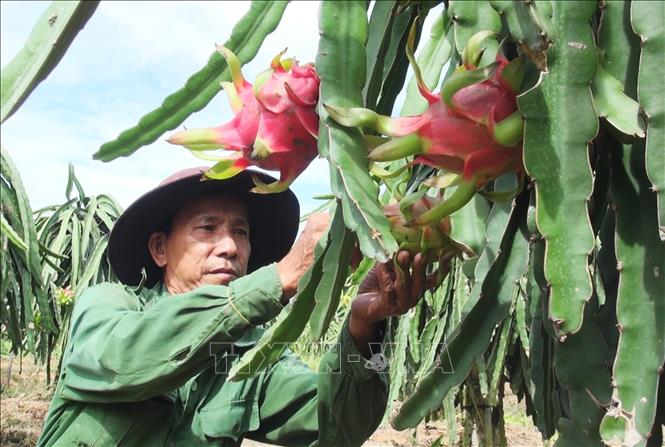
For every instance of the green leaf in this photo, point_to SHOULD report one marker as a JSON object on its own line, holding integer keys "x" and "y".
{"x": 541, "y": 344}
{"x": 580, "y": 362}
{"x": 335, "y": 268}
{"x": 556, "y": 157}
{"x": 340, "y": 63}
{"x": 246, "y": 39}
{"x": 12, "y": 235}
{"x": 72, "y": 181}
{"x": 46, "y": 45}
{"x": 32, "y": 264}
{"x": 379, "y": 32}
{"x": 648, "y": 22}
{"x": 396, "y": 62}
{"x": 92, "y": 265}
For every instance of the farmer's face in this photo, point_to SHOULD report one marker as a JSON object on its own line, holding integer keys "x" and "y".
{"x": 208, "y": 243}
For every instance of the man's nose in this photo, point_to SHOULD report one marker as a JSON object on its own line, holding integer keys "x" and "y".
{"x": 226, "y": 246}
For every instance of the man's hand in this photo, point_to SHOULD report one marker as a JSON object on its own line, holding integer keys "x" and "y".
{"x": 385, "y": 292}
{"x": 297, "y": 261}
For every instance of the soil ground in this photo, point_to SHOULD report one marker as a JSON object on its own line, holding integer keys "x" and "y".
{"x": 25, "y": 398}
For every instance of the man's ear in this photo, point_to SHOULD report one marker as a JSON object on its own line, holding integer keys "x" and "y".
{"x": 157, "y": 248}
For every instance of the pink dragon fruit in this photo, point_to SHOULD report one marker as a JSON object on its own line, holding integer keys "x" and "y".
{"x": 471, "y": 128}
{"x": 275, "y": 126}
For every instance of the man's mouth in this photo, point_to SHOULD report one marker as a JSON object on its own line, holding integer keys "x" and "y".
{"x": 224, "y": 271}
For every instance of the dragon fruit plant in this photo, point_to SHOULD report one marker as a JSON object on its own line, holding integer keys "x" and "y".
{"x": 275, "y": 125}
{"x": 471, "y": 128}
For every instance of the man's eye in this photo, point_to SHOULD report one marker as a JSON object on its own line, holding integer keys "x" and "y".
{"x": 241, "y": 232}
{"x": 207, "y": 227}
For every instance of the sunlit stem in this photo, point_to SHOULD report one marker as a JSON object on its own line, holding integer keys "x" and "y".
{"x": 460, "y": 197}
{"x": 397, "y": 148}
{"x": 509, "y": 131}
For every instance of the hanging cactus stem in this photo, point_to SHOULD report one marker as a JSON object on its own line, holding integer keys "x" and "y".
{"x": 464, "y": 192}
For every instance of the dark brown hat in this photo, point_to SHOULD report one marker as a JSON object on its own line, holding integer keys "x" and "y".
{"x": 273, "y": 221}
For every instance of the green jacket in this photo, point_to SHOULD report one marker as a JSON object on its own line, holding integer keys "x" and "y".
{"x": 149, "y": 369}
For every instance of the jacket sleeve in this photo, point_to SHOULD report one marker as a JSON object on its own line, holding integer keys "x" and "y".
{"x": 119, "y": 353}
{"x": 340, "y": 405}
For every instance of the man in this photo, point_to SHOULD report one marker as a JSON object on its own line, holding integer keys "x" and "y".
{"x": 204, "y": 264}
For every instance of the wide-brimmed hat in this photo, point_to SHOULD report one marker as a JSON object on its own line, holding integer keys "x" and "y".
{"x": 273, "y": 221}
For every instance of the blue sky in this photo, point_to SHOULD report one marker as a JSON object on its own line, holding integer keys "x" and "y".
{"x": 123, "y": 63}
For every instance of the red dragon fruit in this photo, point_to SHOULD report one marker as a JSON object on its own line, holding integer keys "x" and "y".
{"x": 275, "y": 125}
{"x": 472, "y": 128}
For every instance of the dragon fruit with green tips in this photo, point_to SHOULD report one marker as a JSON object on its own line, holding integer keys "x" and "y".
{"x": 433, "y": 239}
{"x": 275, "y": 125}
{"x": 471, "y": 128}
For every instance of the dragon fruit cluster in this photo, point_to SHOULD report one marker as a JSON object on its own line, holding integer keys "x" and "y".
{"x": 275, "y": 126}
{"x": 471, "y": 128}
{"x": 433, "y": 240}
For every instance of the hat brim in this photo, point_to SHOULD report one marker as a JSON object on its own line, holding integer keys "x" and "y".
{"x": 273, "y": 220}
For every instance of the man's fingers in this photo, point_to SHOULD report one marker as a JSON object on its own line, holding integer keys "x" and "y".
{"x": 386, "y": 283}
{"x": 403, "y": 280}
{"x": 417, "y": 278}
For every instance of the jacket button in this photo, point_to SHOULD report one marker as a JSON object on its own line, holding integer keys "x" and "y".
{"x": 194, "y": 386}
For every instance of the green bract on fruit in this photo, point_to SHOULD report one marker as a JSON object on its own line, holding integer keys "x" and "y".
{"x": 471, "y": 128}
{"x": 275, "y": 125}
{"x": 433, "y": 240}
